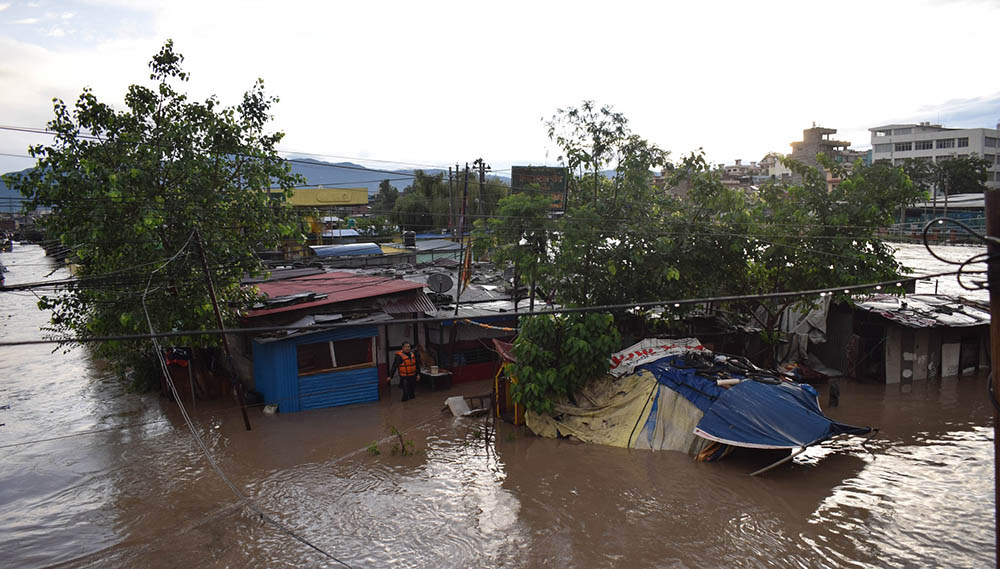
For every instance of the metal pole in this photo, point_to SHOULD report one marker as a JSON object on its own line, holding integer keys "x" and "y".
{"x": 222, "y": 326}
{"x": 993, "y": 276}
{"x": 461, "y": 237}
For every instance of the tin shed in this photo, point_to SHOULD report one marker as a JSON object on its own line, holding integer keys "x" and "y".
{"x": 316, "y": 370}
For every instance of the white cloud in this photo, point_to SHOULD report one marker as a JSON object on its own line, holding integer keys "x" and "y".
{"x": 56, "y": 33}
{"x": 66, "y": 15}
{"x": 4, "y": 6}
{"x": 24, "y": 21}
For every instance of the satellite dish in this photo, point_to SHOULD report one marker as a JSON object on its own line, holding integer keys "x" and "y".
{"x": 439, "y": 283}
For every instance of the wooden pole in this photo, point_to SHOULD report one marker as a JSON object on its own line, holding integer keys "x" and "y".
{"x": 222, "y": 327}
{"x": 993, "y": 277}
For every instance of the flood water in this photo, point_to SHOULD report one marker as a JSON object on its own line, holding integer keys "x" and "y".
{"x": 136, "y": 492}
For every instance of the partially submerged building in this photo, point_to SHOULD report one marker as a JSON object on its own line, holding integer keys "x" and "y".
{"x": 915, "y": 337}
{"x": 305, "y": 369}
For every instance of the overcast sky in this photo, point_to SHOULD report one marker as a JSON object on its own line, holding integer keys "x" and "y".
{"x": 435, "y": 83}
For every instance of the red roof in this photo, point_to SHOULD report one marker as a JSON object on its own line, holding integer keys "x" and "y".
{"x": 338, "y": 287}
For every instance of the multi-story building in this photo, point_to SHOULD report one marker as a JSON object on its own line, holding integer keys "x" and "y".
{"x": 926, "y": 141}
{"x": 815, "y": 140}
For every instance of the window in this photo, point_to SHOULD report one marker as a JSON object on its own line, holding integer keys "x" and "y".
{"x": 879, "y": 133}
{"x": 946, "y": 143}
{"x": 320, "y": 357}
{"x": 941, "y": 158}
{"x": 989, "y": 158}
{"x": 882, "y": 148}
{"x": 902, "y": 131}
{"x": 353, "y": 352}
{"x": 923, "y": 145}
{"x": 963, "y": 142}
{"x": 904, "y": 146}
{"x": 991, "y": 142}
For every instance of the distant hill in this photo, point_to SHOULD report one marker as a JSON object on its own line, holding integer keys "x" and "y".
{"x": 10, "y": 200}
{"x": 350, "y": 175}
{"x": 333, "y": 174}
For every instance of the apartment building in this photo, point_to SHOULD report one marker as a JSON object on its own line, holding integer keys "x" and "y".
{"x": 926, "y": 141}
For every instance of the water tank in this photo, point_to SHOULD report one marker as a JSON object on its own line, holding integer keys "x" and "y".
{"x": 409, "y": 239}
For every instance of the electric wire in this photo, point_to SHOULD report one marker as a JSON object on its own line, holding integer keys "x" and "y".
{"x": 676, "y": 303}
{"x": 197, "y": 436}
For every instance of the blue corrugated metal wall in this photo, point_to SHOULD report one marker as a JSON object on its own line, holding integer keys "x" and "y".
{"x": 276, "y": 375}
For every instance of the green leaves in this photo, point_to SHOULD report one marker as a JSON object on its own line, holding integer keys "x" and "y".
{"x": 161, "y": 167}
{"x": 556, "y": 355}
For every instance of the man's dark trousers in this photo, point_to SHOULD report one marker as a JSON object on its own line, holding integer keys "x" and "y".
{"x": 409, "y": 384}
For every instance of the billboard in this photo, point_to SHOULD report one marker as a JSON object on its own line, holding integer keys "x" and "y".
{"x": 550, "y": 180}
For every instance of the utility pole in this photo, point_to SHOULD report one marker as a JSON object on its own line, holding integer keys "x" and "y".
{"x": 451, "y": 201}
{"x": 993, "y": 280}
{"x": 222, "y": 327}
{"x": 456, "y": 208}
{"x": 483, "y": 167}
{"x": 461, "y": 238}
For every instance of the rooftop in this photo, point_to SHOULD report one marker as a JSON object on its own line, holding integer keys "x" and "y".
{"x": 312, "y": 291}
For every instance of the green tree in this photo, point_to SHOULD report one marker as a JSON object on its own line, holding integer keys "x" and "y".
{"x": 556, "y": 355}
{"x": 962, "y": 175}
{"x": 518, "y": 235}
{"x": 808, "y": 236}
{"x": 130, "y": 189}
{"x": 386, "y": 197}
{"x": 611, "y": 247}
{"x": 412, "y": 212}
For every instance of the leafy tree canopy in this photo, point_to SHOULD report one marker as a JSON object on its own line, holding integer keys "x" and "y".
{"x": 556, "y": 355}
{"x": 131, "y": 188}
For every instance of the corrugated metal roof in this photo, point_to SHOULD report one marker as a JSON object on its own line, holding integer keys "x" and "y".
{"x": 437, "y": 245}
{"x": 346, "y": 249}
{"x": 336, "y": 286}
{"x": 408, "y": 304}
{"x": 341, "y": 233}
{"x": 925, "y": 311}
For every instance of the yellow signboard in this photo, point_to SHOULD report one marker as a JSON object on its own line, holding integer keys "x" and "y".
{"x": 320, "y": 197}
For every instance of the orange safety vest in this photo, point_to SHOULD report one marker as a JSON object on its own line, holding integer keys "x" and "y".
{"x": 409, "y": 365}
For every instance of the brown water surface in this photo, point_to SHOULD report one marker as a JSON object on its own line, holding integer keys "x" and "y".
{"x": 139, "y": 494}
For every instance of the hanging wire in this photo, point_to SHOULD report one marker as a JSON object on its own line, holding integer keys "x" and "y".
{"x": 194, "y": 431}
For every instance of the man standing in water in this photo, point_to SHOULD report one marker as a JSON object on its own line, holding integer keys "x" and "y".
{"x": 408, "y": 363}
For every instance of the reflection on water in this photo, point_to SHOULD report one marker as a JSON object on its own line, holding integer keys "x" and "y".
{"x": 919, "y": 494}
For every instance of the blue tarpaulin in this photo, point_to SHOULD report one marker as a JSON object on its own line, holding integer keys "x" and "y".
{"x": 751, "y": 413}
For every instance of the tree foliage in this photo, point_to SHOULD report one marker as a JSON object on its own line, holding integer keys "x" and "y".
{"x": 955, "y": 175}
{"x": 556, "y": 355}
{"x": 131, "y": 188}
{"x": 518, "y": 235}
{"x": 385, "y": 199}
{"x": 624, "y": 240}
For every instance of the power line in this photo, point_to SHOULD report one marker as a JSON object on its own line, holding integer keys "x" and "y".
{"x": 676, "y": 303}
{"x": 197, "y": 436}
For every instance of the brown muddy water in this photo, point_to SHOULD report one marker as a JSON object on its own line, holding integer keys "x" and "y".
{"x": 136, "y": 492}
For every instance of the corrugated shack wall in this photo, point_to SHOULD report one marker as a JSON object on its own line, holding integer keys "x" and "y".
{"x": 276, "y": 374}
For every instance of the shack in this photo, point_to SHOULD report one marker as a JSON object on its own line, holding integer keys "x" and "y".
{"x": 915, "y": 337}
{"x": 307, "y": 369}
{"x": 319, "y": 369}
